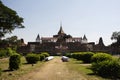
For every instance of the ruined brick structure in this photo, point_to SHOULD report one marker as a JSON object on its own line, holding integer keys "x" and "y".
{"x": 62, "y": 43}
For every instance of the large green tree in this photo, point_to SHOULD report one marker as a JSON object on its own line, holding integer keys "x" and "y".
{"x": 116, "y": 36}
{"x": 13, "y": 42}
{"x": 9, "y": 20}
{"x": 116, "y": 45}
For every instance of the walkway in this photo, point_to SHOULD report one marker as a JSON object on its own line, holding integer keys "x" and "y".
{"x": 53, "y": 70}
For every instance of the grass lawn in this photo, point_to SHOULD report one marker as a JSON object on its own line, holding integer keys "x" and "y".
{"x": 72, "y": 65}
{"x": 14, "y": 75}
{"x": 83, "y": 69}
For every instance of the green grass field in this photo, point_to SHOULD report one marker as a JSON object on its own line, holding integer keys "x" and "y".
{"x": 72, "y": 65}
{"x": 13, "y": 75}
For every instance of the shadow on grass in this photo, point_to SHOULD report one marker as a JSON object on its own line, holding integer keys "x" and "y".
{"x": 7, "y": 70}
{"x": 91, "y": 74}
{"x": 104, "y": 77}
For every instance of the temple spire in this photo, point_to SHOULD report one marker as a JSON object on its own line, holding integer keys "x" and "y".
{"x": 61, "y": 30}
{"x": 60, "y": 23}
{"x": 38, "y": 38}
{"x": 101, "y": 42}
{"x": 84, "y": 40}
{"x": 84, "y": 37}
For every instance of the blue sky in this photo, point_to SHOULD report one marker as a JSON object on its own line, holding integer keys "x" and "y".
{"x": 94, "y": 18}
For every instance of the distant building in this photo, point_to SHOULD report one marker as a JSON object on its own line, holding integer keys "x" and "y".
{"x": 62, "y": 43}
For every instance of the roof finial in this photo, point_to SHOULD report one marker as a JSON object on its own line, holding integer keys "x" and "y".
{"x": 60, "y": 23}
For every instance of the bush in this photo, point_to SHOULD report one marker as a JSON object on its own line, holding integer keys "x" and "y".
{"x": 6, "y": 52}
{"x": 3, "y": 53}
{"x": 98, "y": 57}
{"x": 10, "y": 52}
{"x": 109, "y": 68}
{"x": 69, "y": 55}
{"x": 45, "y": 54}
{"x": 84, "y": 56}
{"x": 32, "y": 58}
{"x": 42, "y": 57}
{"x": 14, "y": 62}
{"x": 76, "y": 56}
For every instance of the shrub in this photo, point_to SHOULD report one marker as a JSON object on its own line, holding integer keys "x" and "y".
{"x": 45, "y": 54}
{"x": 84, "y": 56}
{"x": 42, "y": 57}
{"x": 10, "y": 52}
{"x": 6, "y": 52}
{"x": 69, "y": 55}
{"x": 109, "y": 68}
{"x": 32, "y": 58}
{"x": 98, "y": 57}
{"x": 76, "y": 56}
{"x": 3, "y": 53}
{"x": 14, "y": 62}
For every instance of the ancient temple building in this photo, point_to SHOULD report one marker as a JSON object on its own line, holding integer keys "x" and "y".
{"x": 61, "y": 43}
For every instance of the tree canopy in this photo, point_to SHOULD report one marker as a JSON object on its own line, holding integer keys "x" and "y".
{"x": 12, "y": 42}
{"x": 9, "y": 20}
{"x": 116, "y": 36}
{"x": 116, "y": 45}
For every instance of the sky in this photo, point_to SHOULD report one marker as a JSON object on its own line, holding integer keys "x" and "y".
{"x": 94, "y": 18}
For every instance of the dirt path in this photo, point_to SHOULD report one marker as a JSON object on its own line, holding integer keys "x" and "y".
{"x": 53, "y": 70}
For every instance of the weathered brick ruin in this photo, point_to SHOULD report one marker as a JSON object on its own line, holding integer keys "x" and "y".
{"x": 63, "y": 43}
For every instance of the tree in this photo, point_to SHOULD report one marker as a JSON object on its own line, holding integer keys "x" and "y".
{"x": 9, "y": 20}
{"x": 116, "y": 45}
{"x": 116, "y": 36}
{"x": 12, "y": 39}
{"x": 13, "y": 42}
